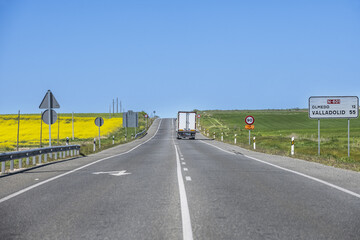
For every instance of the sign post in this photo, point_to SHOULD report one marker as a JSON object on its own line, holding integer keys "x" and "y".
{"x": 99, "y": 121}
{"x": 199, "y": 116}
{"x": 249, "y": 120}
{"x": 333, "y": 107}
{"x": 146, "y": 116}
{"x": 49, "y": 102}
{"x": 319, "y": 137}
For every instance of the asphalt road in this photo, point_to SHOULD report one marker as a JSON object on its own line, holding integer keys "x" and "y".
{"x": 163, "y": 188}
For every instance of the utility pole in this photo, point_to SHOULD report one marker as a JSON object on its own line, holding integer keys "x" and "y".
{"x": 18, "y": 132}
{"x": 117, "y": 105}
{"x": 113, "y": 107}
{"x": 73, "y": 126}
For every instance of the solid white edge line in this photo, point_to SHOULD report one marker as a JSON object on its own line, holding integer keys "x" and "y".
{"x": 74, "y": 170}
{"x": 295, "y": 172}
{"x": 218, "y": 148}
{"x": 309, "y": 177}
{"x": 185, "y": 213}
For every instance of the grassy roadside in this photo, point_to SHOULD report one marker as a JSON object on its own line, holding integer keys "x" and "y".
{"x": 119, "y": 138}
{"x": 274, "y": 129}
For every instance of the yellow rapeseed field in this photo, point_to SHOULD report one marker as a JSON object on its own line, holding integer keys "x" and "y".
{"x": 84, "y": 128}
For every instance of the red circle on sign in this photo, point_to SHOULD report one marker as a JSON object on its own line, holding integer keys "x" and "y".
{"x": 146, "y": 116}
{"x": 198, "y": 116}
{"x": 249, "y": 120}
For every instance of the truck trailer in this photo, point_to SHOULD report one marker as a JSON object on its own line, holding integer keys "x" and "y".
{"x": 186, "y": 125}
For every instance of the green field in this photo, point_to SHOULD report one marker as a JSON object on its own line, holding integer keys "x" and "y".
{"x": 274, "y": 129}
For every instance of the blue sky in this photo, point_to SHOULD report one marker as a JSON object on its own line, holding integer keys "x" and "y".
{"x": 177, "y": 55}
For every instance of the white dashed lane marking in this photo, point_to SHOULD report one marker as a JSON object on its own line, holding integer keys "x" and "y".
{"x": 188, "y": 178}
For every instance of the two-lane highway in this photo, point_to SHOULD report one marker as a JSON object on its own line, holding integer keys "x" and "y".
{"x": 178, "y": 189}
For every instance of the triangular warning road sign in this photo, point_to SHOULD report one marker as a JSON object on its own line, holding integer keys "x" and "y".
{"x": 45, "y": 102}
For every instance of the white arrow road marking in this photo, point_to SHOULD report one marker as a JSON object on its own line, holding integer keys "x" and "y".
{"x": 113, "y": 173}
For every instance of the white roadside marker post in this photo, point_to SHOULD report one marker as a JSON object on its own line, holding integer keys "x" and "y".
{"x": 235, "y": 139}
{"x": 222, "y": 136}
{"x": 254, "y": 143}
{"x": 292, "y": 146}
{"x": 94, "y": 144}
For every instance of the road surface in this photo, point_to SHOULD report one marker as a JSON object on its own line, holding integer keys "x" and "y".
{"x": 163, "y": 188}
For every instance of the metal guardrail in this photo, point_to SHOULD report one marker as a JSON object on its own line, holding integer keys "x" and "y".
{"x": 140, "y": 133}
{"x": 63, "y": 151}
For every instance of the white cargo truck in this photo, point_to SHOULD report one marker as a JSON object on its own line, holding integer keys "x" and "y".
{"x": 186, "y": 125}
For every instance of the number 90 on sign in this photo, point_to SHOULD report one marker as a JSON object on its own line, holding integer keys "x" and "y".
{"x": 249, "y": 120}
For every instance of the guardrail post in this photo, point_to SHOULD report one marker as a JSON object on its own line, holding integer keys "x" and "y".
{"x": 71, "y": 152}
{"x": 34, "y": 160}
{"x": 55, "y": 156}
{"x": 40, "y": 159}
{"x": 11, "y": 165}
{"x": 27, "y": 161}
{"x": 45, "y": 157}
{"x": 20, "y": 163}
{"x": 3, "y": 167}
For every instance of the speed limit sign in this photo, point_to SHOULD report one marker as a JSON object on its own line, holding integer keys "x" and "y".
{"x": 249, "y": 120}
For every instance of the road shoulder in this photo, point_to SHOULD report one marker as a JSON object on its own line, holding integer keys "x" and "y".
{"x": 347, "y": 179}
